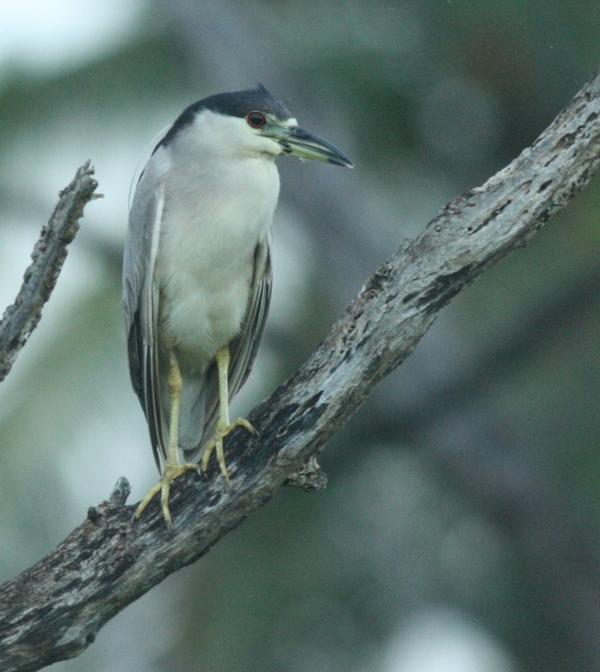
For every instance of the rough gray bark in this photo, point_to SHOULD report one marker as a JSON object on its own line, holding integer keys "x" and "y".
{"x": 54, "y": 610}
{"x": 558, "y": 314}
{"x": 48, "y": 256}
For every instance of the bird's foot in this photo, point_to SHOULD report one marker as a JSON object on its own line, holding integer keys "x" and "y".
{"x": 216, "y": 444}
{"x": 170, "y": 473}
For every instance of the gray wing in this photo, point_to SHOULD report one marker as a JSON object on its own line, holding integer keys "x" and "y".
{"x": 140, "y": 303}
{"x": 244, "y": 348}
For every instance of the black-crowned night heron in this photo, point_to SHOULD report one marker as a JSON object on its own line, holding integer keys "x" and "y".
{"x": 197, "y": 270}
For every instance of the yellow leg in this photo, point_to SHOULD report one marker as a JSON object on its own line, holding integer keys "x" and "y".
{"x": 224, "y": 426}
{"x": 173, "y": 469}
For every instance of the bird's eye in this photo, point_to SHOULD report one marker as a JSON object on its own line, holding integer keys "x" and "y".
{"x": 256, "y": 119}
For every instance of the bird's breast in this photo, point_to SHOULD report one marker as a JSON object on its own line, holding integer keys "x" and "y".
{"x": 213, "y": 219}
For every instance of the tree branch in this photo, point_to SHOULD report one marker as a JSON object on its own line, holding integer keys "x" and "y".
{"x": 54, "y": 610}
{"x": 48, "y": 256}
{"x": 559, "y": 313}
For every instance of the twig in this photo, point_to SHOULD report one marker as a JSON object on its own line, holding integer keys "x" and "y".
{"x": 49, "y": 253}
{"x": 54, "y": 610}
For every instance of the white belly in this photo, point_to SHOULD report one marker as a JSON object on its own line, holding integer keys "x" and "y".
{"x": 210, "y": 228}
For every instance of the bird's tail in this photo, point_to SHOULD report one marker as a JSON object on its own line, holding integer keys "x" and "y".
{"x": 192, "y": 415}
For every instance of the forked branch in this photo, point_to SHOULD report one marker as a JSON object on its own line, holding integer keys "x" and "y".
{"x": 54, "y": 610}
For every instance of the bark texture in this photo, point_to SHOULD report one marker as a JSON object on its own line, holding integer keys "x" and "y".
{"x": 47, "y": 258}
{"x": 54, "y": 609}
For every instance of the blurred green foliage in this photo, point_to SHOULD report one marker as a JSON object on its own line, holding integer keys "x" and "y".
{"x": 419, "y": 528}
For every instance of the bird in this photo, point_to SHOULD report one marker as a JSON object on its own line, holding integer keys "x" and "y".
{"x": 197, "y": 271}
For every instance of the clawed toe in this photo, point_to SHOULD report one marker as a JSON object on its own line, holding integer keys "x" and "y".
{"x": 170, "y": 473}
{"x": 216, "y": 444}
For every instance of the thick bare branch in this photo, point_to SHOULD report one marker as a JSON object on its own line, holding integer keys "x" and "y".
{"x": 54, "y": 610}
{"x": 48, "y": 256}
{"x": 557, "y": 313}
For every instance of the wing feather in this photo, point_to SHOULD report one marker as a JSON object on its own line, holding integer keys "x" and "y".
{"x": 244, "y": 348}
{"x": 141, "y": 304}
{"x": 141, "y": 297}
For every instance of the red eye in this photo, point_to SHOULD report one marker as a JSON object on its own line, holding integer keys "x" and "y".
{"x": 256, "y": 119}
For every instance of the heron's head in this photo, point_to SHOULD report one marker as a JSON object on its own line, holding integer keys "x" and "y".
{"x": 249, "y": 123}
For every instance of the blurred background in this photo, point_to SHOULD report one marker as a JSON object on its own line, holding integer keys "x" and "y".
{"x": 460, "y": 528}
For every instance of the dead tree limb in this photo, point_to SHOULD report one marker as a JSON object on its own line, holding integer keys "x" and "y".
{"x": 48, "y": 256}
{"x": 53, "y": 610}
{"x": 558, "y": 313}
